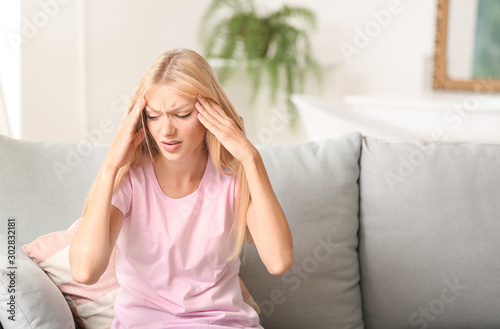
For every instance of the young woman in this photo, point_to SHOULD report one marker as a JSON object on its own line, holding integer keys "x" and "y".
{"x": 180, "y": 190}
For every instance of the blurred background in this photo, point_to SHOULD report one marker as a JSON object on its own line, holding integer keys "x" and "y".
{"x": 68, "y": 67}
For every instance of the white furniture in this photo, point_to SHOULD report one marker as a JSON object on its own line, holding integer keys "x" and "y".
{"x": 440, "y": 117}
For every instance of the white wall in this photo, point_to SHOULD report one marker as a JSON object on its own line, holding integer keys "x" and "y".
{"x": 10, "y": 119}
{"x": 79, "y": 69}
{"x": 52, "y": 77}
{"x": 124, "y": 37}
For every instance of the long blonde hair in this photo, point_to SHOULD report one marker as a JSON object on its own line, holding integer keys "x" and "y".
{"x": 188, "y": 74}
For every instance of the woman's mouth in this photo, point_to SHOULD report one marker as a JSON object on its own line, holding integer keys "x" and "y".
{"x": 171, "y": 146}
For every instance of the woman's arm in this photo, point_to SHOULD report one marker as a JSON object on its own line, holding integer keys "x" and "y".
{"x": 101, "y": 222}
{"x": 96, "y": 236}
{"x": 265, "y": 220}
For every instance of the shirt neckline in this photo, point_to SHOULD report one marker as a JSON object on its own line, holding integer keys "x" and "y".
{"x": 187, "y": 198}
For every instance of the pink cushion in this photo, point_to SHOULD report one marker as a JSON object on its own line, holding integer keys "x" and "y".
{"x": 92, "y": 305}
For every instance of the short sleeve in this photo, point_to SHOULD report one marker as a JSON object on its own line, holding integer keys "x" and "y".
{"x": 122, "y": 196}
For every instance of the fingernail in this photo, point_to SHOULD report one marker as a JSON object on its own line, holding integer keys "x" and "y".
{"x": 200, "y": 116}
{"x": 198, "y": 104}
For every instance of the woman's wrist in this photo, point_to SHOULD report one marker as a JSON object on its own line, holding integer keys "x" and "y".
{"x": 250, "y": 157}
{"x": 109, "y": 170}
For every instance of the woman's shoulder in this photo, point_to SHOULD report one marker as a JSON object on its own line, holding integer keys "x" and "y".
{"x": 224, "y": 179}
{"x": 139, "y": 170}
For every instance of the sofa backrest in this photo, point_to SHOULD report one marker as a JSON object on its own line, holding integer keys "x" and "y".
{"x": 317, "y": 185}
{"x": 429, "y": 235}
{"x": 44, "y": 185}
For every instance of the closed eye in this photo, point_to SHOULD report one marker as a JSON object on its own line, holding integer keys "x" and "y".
{"x": 154, "y": 117}
{"x": 150, "y": 117}
{"x": 184, "y": 116}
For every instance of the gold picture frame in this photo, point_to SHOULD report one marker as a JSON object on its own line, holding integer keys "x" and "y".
{"x": 441, "y": 80}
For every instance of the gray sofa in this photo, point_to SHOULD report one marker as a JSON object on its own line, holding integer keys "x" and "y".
{"x": 385, "y": 235}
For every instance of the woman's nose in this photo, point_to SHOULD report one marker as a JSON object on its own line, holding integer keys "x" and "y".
{"x": 167, "y": 126}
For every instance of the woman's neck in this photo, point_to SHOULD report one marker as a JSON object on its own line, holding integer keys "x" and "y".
{"x": 180, "y": 178}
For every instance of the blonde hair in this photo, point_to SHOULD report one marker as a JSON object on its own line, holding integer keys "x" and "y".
{"x": 188, "y": 74}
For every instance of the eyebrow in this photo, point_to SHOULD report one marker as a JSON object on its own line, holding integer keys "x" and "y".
{"x": 175, "y": 109}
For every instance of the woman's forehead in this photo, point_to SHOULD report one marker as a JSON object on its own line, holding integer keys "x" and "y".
{"x": 161, "y": 98}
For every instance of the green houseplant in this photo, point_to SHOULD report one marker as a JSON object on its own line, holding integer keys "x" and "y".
{"x": 277, "y": 44}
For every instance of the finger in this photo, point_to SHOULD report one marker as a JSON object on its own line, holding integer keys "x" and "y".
{"x": 134, "y": 114}
{"x": 219, "y": 113}
{"x": 208, "y": 116}
{"x": 214, "y": 112}
{"x": 138, "y": 138}
{"x": 139, "y": 108}
{"x": 208, "y": 123}
{"x": 211, "y": 107}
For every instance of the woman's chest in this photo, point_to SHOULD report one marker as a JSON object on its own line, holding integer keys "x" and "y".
{"x": 188, "y": 236}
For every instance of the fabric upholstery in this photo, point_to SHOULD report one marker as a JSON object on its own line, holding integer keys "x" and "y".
{"x": 429, "y": 235}
{"x": 321, "y": 290}
{"x": 91, "y": 305}
{"x": 45, "y": 185}
{"x": 38, "y": 302}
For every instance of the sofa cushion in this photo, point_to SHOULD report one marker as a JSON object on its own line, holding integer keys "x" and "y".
{"x": 429, "y": 235}
{"x": 91, "y": 305}
{"x": 44, "y": 185}
{"x": 38, "y": 302}
{"x": 316, "y": 184}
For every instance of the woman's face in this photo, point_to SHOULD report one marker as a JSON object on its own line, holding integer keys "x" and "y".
{"x": 173, "y": 122}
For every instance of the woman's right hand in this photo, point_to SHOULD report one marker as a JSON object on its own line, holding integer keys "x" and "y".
{"x": 126, "y": 141}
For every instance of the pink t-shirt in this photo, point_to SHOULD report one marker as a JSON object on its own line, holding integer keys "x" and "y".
{"x": 171, "y": 260}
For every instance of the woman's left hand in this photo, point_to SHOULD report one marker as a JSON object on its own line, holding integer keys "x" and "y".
{"x": 213, "y": 117}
